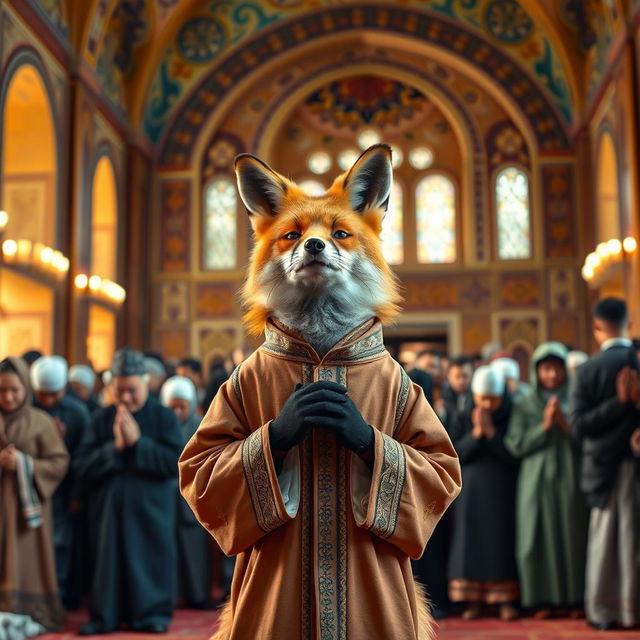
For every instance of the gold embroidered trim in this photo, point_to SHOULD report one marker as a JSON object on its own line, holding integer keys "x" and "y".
{"x": 401, "y": 402}
{"x": 331, "y": 544}
{"x": 235, "y": 381}
{"x": 256, "y": 474}
{"x": 390, "y": 487}
{"x": 306, "y": 530}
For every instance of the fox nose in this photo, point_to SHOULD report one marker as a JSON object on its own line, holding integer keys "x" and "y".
{"x": 314, "y": 246}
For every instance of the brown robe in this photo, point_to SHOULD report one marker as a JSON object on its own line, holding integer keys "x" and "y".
{"x": 323, "y": 546}
{"x": 28, "y": 583}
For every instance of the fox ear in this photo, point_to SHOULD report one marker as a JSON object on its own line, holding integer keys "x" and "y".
{"x": 368, "y": 182}
{"x": 261, "y": 188}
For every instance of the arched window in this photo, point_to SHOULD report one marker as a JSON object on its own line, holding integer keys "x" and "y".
{"x": 29, "y": 162}
{"x": 607, "y": 189}
{"x": 104, "y": 220}
{"x": 392, "y": 238}
{"x": 436, "y": 220}
{"x": 220, "y": 227}
{"x": 512, "y": 213}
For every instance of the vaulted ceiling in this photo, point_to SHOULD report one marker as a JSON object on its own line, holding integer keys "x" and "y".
{"x": 150, "y": 55}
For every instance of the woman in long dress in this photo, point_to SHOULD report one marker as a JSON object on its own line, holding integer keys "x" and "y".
{"x": 551, "y": 514}
{"x": 33, "y": 461}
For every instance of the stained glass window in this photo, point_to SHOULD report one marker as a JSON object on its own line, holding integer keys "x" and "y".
{"x": 312, "y": 187}
{"x": 391, "y": 235}
{"x": 436, "y": 220}
{"x": 220, "y": 225}
{"x": 512, "y": 212}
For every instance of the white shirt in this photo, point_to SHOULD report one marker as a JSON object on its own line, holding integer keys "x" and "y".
{"x": 615, "y": 342}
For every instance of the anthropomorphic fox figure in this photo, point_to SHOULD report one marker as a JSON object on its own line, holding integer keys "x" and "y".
{"x": 319, "y": 463}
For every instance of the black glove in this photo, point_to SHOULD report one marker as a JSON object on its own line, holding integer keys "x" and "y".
{"x": 335, "y": 411}
{"x": 299, "y": 414}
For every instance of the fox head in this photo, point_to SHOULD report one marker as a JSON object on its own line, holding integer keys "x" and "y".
{"x": 318, "y": 252}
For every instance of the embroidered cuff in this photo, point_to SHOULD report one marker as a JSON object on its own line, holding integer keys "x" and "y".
{"x": 376, "y": 495}
{"x": 275, "y": 499}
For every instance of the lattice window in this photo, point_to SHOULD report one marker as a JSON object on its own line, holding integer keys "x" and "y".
{"x": 512, "y": 213}
{"x": 220, "y": 225}
{"x": 392, "y": 236}
{"x": 436, "y": 220}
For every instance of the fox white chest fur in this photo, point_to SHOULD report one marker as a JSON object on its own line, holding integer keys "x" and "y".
{"x": 317, "y": 266}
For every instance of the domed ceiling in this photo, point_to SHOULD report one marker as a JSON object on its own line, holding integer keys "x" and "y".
{"x": 150, "y": 55}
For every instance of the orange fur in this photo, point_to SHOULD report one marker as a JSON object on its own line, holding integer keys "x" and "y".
{"x": 316, "y": 216}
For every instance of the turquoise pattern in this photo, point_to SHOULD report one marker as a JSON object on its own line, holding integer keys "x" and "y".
{"x": 504, "y": 21}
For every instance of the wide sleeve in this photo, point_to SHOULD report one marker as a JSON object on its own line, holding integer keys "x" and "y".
{"x": 50, "y": 464}
{"x": 158, "y": 456}
{"x": 415, "y": 476}
{"x": 524, "y": 435}
{"x": 228, "y": 477}
{"x": 97, "y": 457}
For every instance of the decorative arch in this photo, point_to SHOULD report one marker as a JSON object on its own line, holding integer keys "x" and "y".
{"x": 547, "y": 124}
{"x": 30, "y": 149}
{"x": 608, "y": 210}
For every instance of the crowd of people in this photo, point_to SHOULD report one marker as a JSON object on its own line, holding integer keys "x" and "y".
{"x": 548, "y": 521}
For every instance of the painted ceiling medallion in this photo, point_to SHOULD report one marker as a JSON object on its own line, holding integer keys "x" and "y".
{"x": 346, "y": 107}
{"x": 507, "y": 21}
{"x": 200, "y": 40}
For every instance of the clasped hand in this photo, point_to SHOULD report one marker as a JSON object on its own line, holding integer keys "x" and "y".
{"x": 553, "y": 415}
{"x": 482, "y": 424}
{"x": 8, "y": 458}
{"x": 628, "y": 386}
{"x": 126, "y": 431}
{"x": 323, "y": 405}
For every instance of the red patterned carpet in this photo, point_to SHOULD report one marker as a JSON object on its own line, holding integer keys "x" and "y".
{"x": 199, "y": 625}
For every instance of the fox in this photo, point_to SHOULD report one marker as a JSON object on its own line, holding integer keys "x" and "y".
{"x": 317, "y": 265}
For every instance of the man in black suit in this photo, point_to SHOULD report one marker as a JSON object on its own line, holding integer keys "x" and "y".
{"x": 605, "y": 401}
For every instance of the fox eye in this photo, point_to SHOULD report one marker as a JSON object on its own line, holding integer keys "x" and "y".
{"x": 292, "y": 235}
{"x": 340, "y": 234}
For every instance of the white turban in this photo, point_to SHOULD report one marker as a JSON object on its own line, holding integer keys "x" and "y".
{"x": 178, "y": 387}
{"x": 487, "y": 381}
{"x": 508, "y": 368}
{"x": 575, "y": 359}
{"x": 49, "y": 374}
{"x": 83, "y": 374}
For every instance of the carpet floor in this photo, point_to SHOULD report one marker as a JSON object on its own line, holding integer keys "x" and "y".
{"x": 199, "y": 625}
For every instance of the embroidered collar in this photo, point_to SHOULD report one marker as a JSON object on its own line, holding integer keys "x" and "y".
{"x": 362, "y": 344}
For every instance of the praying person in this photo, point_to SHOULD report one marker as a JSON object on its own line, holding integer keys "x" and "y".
{"x": 129, "y": 462}
{"x": 551, "y": 515}
{"x": 193, "y": 542}
{"x": 605, "y": 401}
{"x": 510, "y": 370}
{"x": 71, "y": 417}
{"x": 82, "y": 380}
{"x": 482, "y": 567}
{"x": 33, "y": 461}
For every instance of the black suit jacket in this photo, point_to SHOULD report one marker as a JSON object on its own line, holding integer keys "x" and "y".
{"x": 423, "y": 379}
{"x": 602, "y": 423}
